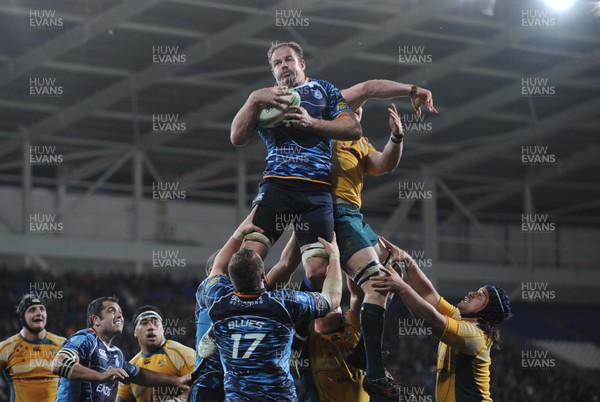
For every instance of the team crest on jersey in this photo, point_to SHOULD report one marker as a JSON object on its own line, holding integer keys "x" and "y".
{"x": 102, "y": 354}
{"x": 161, "y": 362}
{"x": 212, "y": 281}
{"x": 317, "y": 94}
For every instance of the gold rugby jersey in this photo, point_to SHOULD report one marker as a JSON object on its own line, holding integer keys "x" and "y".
{"x": 27, "y": 366}
{"x": 349, "y": 164}
{"x": 172, "y": 358}
{"x": 463, "y": 360}
{"x": 333, "y": 378}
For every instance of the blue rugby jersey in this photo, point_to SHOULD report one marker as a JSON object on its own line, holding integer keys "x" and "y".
{"x": 210, "y": 375}
{"x": 96, "y": 355}
{"x": 297, "y": 154}
{"x": 254, "y": 335}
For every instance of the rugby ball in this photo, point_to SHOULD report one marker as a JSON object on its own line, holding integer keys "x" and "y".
{"x": 270, "y": 116}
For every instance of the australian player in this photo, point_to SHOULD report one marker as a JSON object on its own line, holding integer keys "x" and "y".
{"x": 254, "y": 327}
{"x": 360, "y": 255}
{"x": 89, "y": 365}
{"x": 329, "y": 343}
{"x": 466, "y": 332}
{"x": 26, "y": 358}
{"x": 157, "y": 354}
{"x": 296, "y": 184}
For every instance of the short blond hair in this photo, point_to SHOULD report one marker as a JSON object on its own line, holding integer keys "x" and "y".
{"x": 292, "y": 45}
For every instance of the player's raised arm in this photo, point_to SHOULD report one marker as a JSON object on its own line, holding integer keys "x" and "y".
{"x": 417, "y": 279}
{"x": 332, "y": 286}
{"x": 358, "y": 94}
{"x": 244, "y": 121}
{"x": 357, "y": 295}
{"x": 279, "y": 276}
{"x": 233, "y": 245}
{"x": 379, "y": 163}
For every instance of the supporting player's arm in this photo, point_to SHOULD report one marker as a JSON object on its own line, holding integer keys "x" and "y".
{"x": 357, "y": 295}
{"x": 385, "y": 162}
{"x": 279, "y": 276}
{"x": 244, "y": 121}
{"x": 332, "y": 286}
{"x": 66, "y": 364}
{"x": 149, "y": 378}
{"x": 233, "y": 245}
{"x": 417, "y": 279}
{"x": 358, "y": 94}
{"x": 345, "y": 127}
{"x": 419, "y": 307}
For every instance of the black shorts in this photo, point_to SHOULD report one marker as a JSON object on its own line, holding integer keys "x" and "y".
{"x": 299, "y": 205}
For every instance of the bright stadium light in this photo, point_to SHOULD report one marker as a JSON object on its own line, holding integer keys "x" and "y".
{"x": 560, "y": 5}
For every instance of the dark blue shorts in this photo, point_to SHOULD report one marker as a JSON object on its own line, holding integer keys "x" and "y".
{"x": 298, "y": 205}
{"x": 352, "y": 233}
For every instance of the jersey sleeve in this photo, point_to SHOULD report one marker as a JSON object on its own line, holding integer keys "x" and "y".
{"x": 304, "y": 306}
{"x": 447, "y": 309}
{"x": 215, "y": 288}
{"x": 82, "y": 343}
{"x": 463, "y": 336}
{"x": 370, "y": 148}
{"x": 132, "y": 370}
{"x": 5, "y": 351}
{"x": 335, "y": 101}
{"x": 182, "y": 357}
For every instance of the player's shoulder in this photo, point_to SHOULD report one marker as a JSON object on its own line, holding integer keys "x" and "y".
{"x": 55, "y": 339}
{"x": 137, "y": 358}
{"x": 11, "y": 341}
{"x": 216, "y": 280}
{"x": 171, "y": 345}
{"x": 323, "y": 83}
{"x": 83, "y": 336}
{"x": 178, "y": 353}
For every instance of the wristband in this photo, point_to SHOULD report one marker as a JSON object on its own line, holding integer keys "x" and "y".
{"x": 238, "y": 235}
{"x": 397, "y": 139}
{"x": 413, "y": 91}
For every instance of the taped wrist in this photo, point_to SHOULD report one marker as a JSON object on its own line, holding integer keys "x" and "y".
{"x": 331, "y": 286}
{"x": 65, "y": 367}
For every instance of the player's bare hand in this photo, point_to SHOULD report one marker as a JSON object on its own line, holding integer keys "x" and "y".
{"x": 298, "y": 117}
{"x": 395, "y": 122}
{"x": 331, "y": 248}
{"x": 423, "y": 98}
{"x": 247, "y": 226}
{"x": 390, "y": 282}
{"x": 271, "y": 96}
{"x": 113, "y": 374}
{"x": 183, "y": 382}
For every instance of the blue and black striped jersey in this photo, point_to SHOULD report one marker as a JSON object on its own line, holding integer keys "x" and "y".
{"x": 209, "y": 372}
{"x": 96, "y": 355}
{"x": 254, "y": 335}
{"x": 297, "y": 154}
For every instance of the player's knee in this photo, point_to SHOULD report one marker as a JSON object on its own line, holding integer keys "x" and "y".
{"x": 315, "y": 273}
